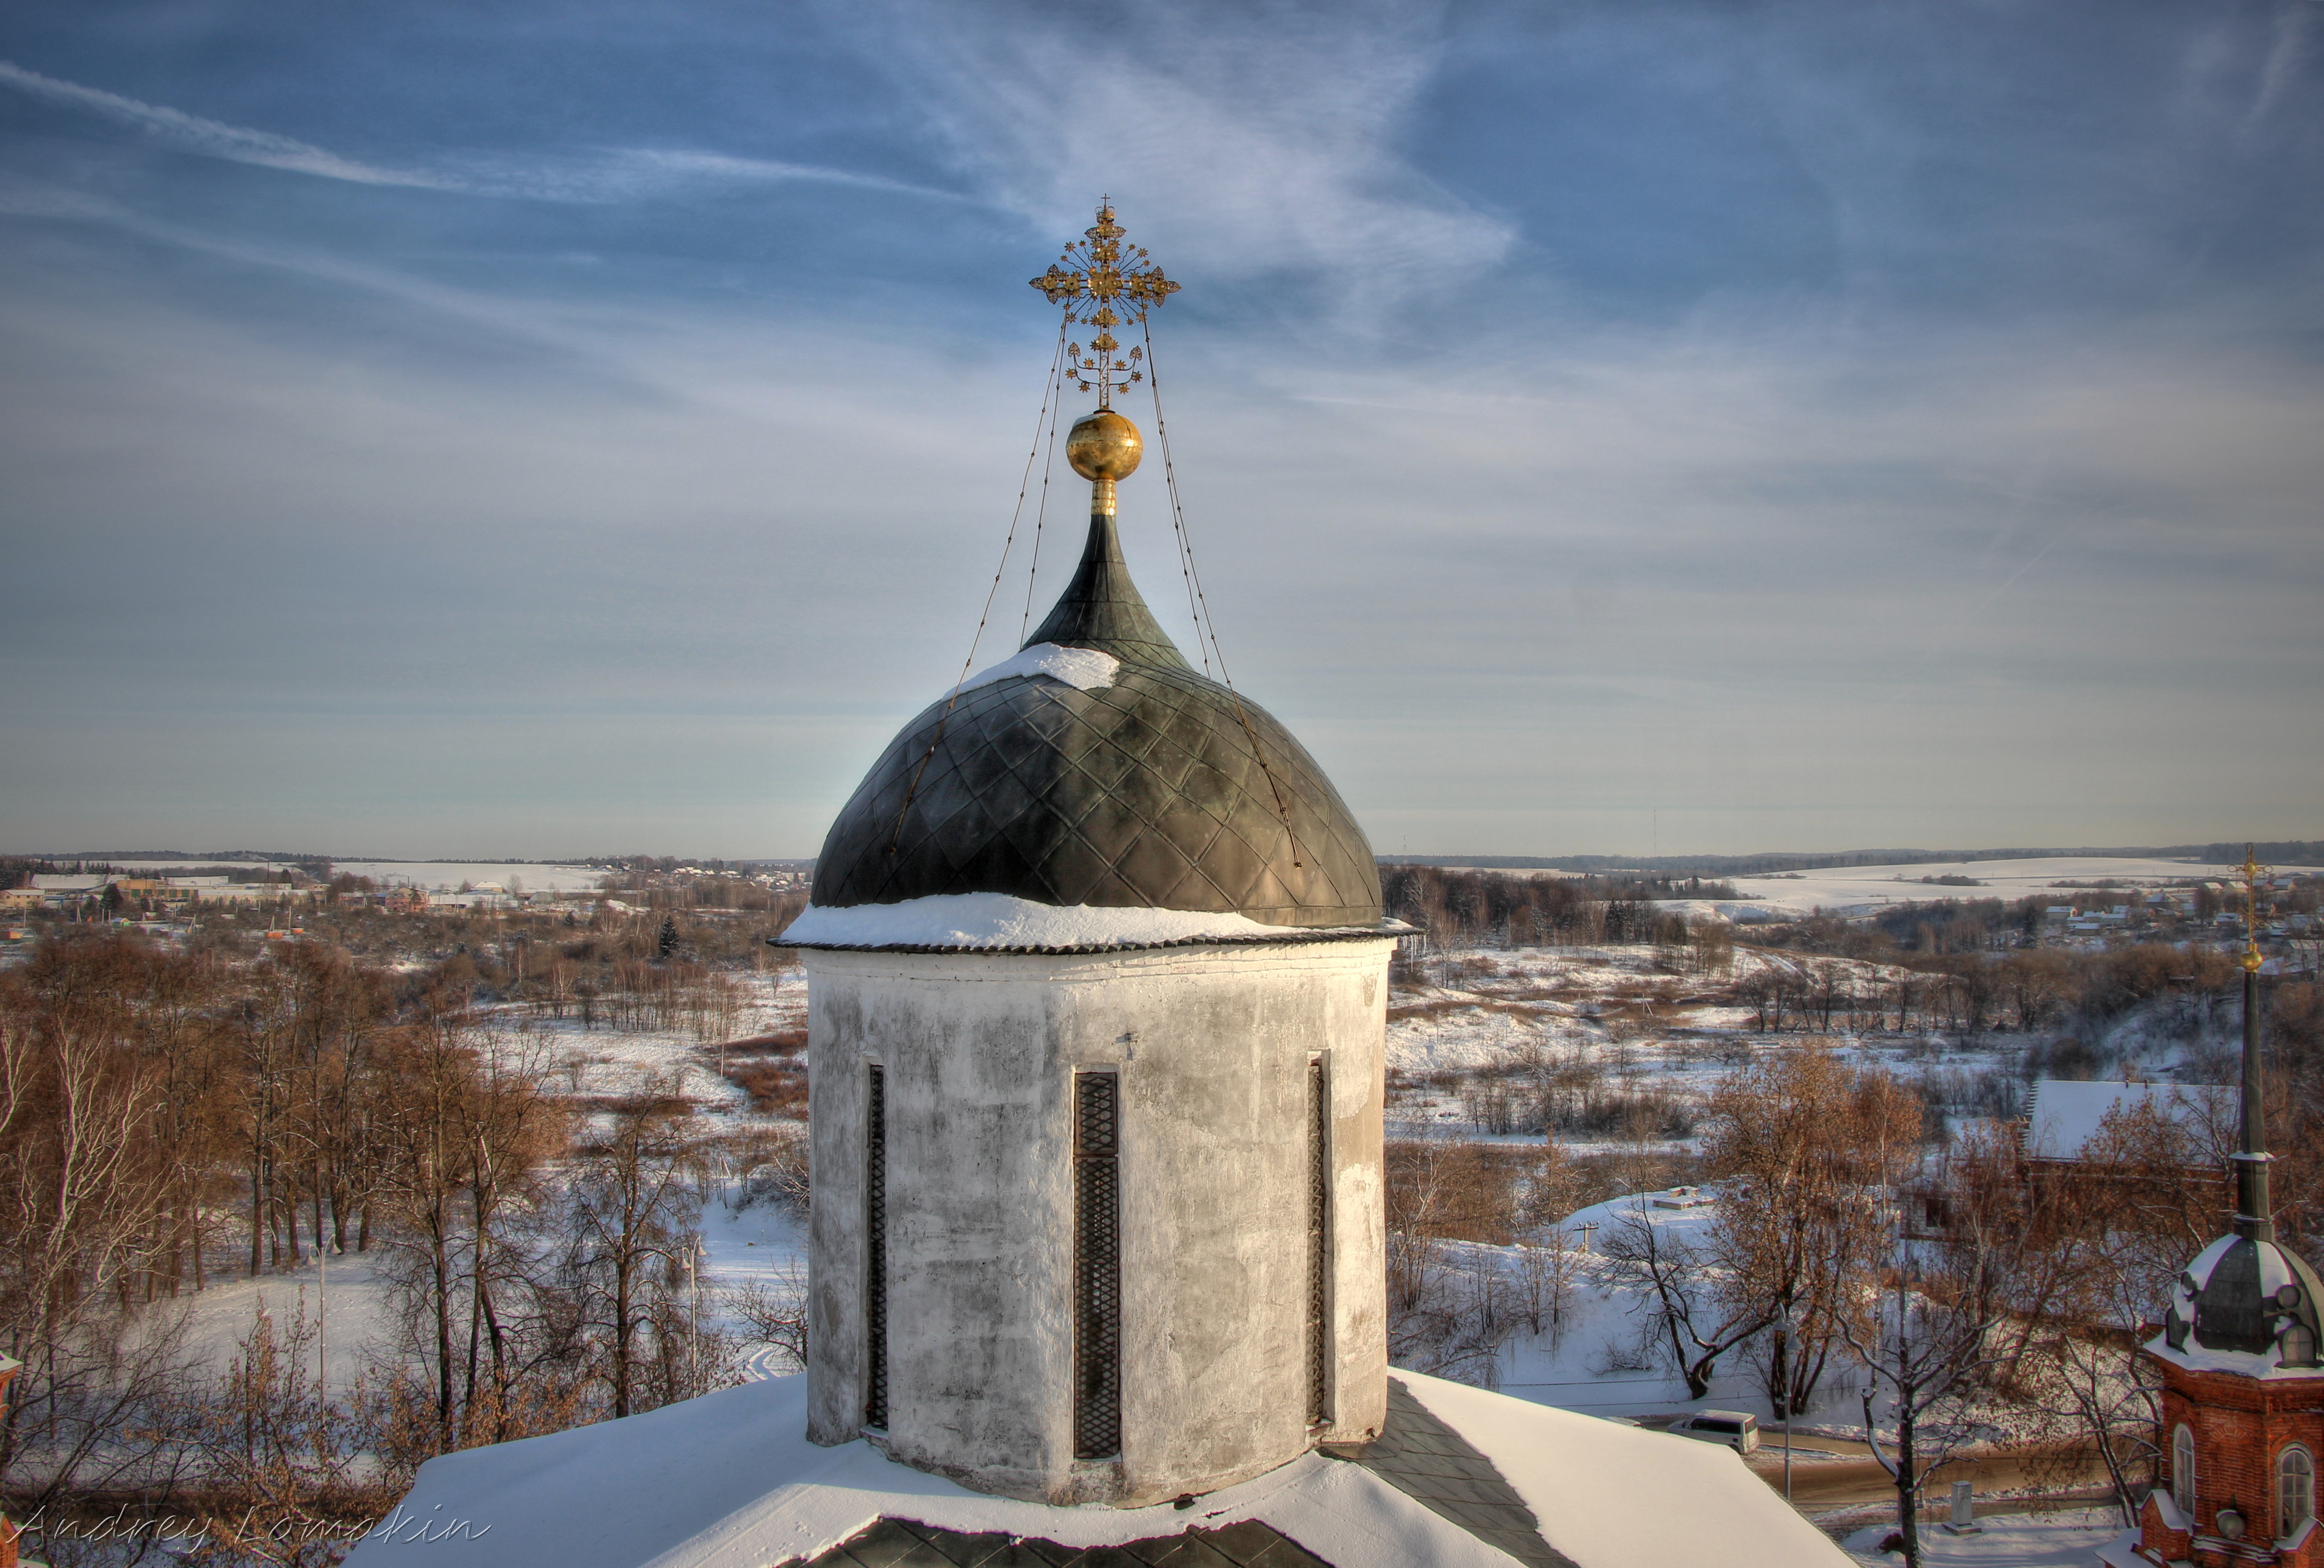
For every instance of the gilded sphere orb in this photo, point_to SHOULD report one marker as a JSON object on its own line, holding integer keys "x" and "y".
{"x": 1104, "y": 445}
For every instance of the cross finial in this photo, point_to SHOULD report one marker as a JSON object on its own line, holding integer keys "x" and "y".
{"x": 1106, "y": 284}
{"x": 2251, "y": 871}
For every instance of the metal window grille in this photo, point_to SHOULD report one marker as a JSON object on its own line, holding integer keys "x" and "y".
{"x": 1319, "y": 1243}
{"x": 875, "y": 1251}
{"x": 1097, "y": 1266}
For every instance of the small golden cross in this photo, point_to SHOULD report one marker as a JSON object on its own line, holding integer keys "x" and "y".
{"x": 2253, "y": 871}
{"x": 1103, "y": 283}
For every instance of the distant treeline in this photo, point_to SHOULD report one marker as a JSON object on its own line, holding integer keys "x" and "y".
{"x": 2280, "y": 852}
{"x": 286, "y": 857}
{"x": 1469, "y": 906}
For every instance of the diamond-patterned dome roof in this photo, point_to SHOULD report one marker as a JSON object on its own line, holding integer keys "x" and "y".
{"x": 2244, "y": 1294}
{"x": 1147, "y": 793}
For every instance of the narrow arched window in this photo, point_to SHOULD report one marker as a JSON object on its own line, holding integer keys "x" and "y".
{"x": 2295, "y": 1490}
{"x": 1097, "y": 1266}
{"x": 2298, "y": 1343}
{"x": 1319, "y": 1242}
{"x": 2182, "y": 1470}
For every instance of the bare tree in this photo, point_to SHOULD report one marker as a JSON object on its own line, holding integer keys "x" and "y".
{"x": 2149, "y": 1191}
{"x": 773, "y": 1311}
{"x": 1689, "y": 1311}
{"x": 1796, "y": 1140}
{"x": 1958, "y": 1313}
{"x": 633, "y": 1210}
{"x": 428, "y": 1077}
{"x": 1437, "y": 1322}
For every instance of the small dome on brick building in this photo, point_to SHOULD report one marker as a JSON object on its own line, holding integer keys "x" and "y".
{"x": 2246, "y": 1297}
{"x": 2242, "y": 1393}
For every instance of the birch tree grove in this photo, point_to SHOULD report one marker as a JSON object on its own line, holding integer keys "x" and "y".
{"x": 87, "y": 1200}
{"x": 633, "y": 1209}
{"x": 165, "y": 1118}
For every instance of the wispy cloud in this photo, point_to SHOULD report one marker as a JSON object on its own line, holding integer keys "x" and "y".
{"x": 641, "y": 169}
{"x": 209, "y": 138}
{"x": 1261, "y": 141}
{"x": 598, "y": 176}
{"x": 2288, "y": 51}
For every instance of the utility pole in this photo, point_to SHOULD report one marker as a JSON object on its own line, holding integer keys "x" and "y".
{"x": 693, "y": 1336}
{"x": 1784, "y": 1360}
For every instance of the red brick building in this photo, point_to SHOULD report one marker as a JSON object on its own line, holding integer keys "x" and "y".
{"x": 2243, "y": 1453}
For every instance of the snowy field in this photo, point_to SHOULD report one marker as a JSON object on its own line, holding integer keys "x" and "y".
{"x": 350, "y": 1307}
{"x": 446, "y": 876}
{"x": 432, "y": 876}
{"x": 762, "y": 1243}
{"x": 1621, "y": 1012}
{"x": 1863, "y": 888}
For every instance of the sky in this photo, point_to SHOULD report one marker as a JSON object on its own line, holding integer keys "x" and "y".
{"x": 1641, "y": 426}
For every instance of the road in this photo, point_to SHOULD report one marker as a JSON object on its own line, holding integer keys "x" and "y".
{"x": 1828, "y": 1473}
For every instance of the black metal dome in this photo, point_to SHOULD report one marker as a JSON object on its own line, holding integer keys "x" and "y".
{"x": 2253, "y": 1297}
{"x": 1162, "y": 790}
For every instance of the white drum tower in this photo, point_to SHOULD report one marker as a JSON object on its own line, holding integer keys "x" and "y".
{"x": 1098, "y": 987}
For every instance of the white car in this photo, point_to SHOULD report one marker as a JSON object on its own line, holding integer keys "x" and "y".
{"x": 1737, "y": 1429}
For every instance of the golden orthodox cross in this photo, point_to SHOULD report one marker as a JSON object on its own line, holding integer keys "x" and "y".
{"x": 1104, "y": 283}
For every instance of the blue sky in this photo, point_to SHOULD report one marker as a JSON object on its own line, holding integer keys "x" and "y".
{"x": 538, "y": 430}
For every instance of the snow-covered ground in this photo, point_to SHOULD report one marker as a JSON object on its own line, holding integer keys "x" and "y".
{"x": 1860, "y": 888}
{"x": 430, "y": 875}
{"x": 603, "y": 1061}
{"x": 1591, "y": 1358}
{"x": 2066, "y": 1538}
{"x": 1531, "y": 1014}
{"x": 346, "y": 1298}
{"x": 761, "y": 1242}
{"x": 446, "y": 876}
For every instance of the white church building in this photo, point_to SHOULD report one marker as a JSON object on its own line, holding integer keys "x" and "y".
{"x": 1098, "y": 985}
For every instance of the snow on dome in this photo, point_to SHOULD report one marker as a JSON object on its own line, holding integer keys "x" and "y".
{"x": 2230, "y": 1308}
{"x": 729, "y": 1481}
{"x": 1083, "y": 669}
{"x": 1000, "y": 920}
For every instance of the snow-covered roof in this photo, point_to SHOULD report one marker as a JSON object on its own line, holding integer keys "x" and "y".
{"x": 2063, "y": 1115}
{"x": 729, "y": 1481}
{"x": 1687, "y": 1212}
{"x": 1000, "y": 922}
